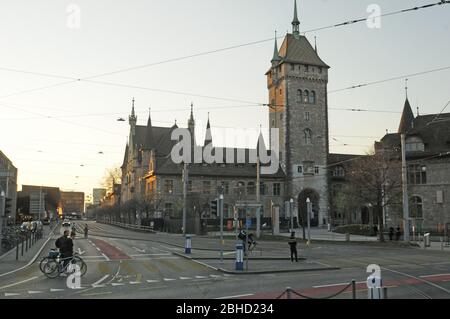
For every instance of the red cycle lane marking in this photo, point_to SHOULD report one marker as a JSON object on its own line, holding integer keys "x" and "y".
{"x": 110, "y": 251}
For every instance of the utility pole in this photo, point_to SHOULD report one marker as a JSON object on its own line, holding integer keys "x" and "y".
{"x": 185, "y": 182}
{"x": 291, "y": 211}
{"x": 258, "y": 195}
{"x": 309, "y": 209}
{"x": 221, "y": 223}
{"x": 40, "y": 202}
{"x": 405, "y": 191}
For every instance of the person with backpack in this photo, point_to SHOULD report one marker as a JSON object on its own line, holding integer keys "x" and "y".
{"x": 293, "y": 246}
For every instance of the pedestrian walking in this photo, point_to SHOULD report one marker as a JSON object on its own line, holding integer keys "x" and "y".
{"x": 398, "y": 233}
{"x": 293, "y": 246}
{"x": 391, "y": 233}
{"x": 86, "y": 230}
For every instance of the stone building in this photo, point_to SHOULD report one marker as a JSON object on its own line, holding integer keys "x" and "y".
{"x": 428, "y": 167}
{"x": 8, "y": 185}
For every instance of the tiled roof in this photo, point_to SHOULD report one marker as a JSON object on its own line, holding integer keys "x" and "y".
{"x": 300, "y": 51}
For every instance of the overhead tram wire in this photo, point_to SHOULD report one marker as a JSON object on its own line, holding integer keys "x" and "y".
{"x": 72, "y": 79}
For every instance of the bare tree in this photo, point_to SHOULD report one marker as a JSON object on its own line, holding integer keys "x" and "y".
{"x": 112, "y": 176}
{"x": 375, "y": 181}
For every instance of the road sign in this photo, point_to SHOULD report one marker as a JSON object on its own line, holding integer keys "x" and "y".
{"x": 248, "y": 223}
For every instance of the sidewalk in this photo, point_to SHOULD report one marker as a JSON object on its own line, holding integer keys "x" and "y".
{"x": 8, "y": 260}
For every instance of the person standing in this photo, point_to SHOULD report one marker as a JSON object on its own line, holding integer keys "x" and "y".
{"x": 293, "y": 246}
{"x": 86, "y": 230}
{"x": 391, "y": 233}
{"x": 398, "y": 233}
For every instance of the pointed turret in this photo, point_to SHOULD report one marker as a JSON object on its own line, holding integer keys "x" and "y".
{"x": 295, "y": 22}
{"x": 149, "y": 137}
{"x": 132, "y": 118}
{"x": 406, "y": 123}
{"x": 208, "y": 137}
{"x": 276, "y": 55}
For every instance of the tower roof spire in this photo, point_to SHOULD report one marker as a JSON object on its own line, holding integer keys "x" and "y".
{"x": 276, "y": 54}
{"x": 295, "y": 22}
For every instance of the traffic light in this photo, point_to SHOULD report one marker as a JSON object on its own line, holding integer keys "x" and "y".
{"x": 213, "y": 206}
{"x": 7, "y": 206}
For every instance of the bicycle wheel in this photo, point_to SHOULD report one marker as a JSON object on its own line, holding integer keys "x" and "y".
{"x": 80, "y": 263}
{"x": 51, "y": 269}
{"x": 43, "y": 262}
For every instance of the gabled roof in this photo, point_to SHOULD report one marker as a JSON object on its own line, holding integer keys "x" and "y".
{"x": 300, "y": 51}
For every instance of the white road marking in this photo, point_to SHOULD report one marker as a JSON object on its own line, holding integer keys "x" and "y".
{"x": 152, "y": 281}
{"x": 169, "y": 279}
{"x": 139, "y": 250}
{"x": 201, "y": 277}
{"x": 106, "y": 257}
{"x": 438, "y": 275}
{"x": 135, "y": 282}
{"x": 185, "y": 278}
{"x": 80, "y": 251}
{"x": 97, "y": 248}
{"x": 18, "y": 283}
{"x": 35, "y": 292}
{"x": 100, "y": 280}
{"x": 114, "y": 284}
{"x": 215, "y": 276}
{"x": 414, "y": 277}
{"x": 11, "y": 294}
{"x": 56, "y": 290}
{"x": 165, "y": 254}
{"x": 237, "y": 296}
{"x": 332, "y": 285}
{"x": 98, "y": 286}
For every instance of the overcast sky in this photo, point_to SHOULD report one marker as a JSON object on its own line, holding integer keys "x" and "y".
{"x": 49, "y": 133}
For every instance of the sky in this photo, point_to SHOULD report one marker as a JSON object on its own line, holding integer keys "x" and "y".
{"x": 62, "y": 132}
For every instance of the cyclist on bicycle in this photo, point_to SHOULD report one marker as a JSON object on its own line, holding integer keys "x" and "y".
{"x": 65, "y": 246}
{"x": 243, "y": 234}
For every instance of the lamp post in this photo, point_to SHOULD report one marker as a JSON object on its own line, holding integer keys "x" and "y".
{"x": 308, "y": 214}
{"x": 291, "y": 210}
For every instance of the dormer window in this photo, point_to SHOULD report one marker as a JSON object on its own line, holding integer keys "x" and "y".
{"x": 415, "y": 144}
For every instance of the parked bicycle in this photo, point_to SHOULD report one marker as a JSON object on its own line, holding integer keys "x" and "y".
{"x": 53, "y": 267}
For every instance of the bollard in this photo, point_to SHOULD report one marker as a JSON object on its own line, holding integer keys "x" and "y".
{"x": 353, "y": 289}
{"x": 188, "y": 244}
{"x": 26, "y": 244}
{"x": 17, "y": 249}
{"x": 239, "y": 257}
{"x": 289, "y": 292}
{"x": 385, "y": 293}
{"x": 22, "y": 247}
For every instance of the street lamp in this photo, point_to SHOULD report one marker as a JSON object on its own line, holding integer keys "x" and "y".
{"x": 308, "y": 214}
{"x": 291, "y": 209}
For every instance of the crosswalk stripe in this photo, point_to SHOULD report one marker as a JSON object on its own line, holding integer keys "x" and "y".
{"x": 152, "y": 281}
{"x": 117, "y": 284}
{"x": 168, "y": 279}
{"x": 11, "y": 294}
{"x": 185, "y": 278}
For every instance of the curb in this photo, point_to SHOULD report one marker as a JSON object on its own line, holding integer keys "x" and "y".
{"x": 51, "y": 233}
{"x": 231, "y": 272}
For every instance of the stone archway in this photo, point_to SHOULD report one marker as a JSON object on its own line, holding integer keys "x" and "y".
{"x": 302, "y": 210}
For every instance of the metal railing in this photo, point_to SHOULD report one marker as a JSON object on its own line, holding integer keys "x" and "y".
{"x": 128, "y": 226}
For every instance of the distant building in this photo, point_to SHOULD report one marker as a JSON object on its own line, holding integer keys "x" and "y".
{"x": 98, "y": 194}
{"x": 35, "y": 201}
{"x": 8, "y": 184}
{"x": 72, "y": 202}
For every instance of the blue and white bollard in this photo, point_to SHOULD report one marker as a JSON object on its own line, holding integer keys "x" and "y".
{"x": 188, "y": 244}
{"x": 239, "y": 257}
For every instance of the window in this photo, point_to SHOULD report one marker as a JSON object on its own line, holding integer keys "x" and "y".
{"x": 240, "y": 189}
{"x": 305, "y": 96}
{"x": 414, "y": 144}
{"x": 281, "y": 92}
{"x": 306, "y": 68}
{"x": 417, "y": 174}
{"x": 300, "y": 169}
{"x": 273, "y": 123}
{"x": 206, "y": 187}
{"x": 251, "y": 188}
{"x": 226, "y": 188}
{"x": 308, "y": 136}
{"x": 316, "y": 170}
{"x": 320, "y": 70}
{"x": 338, "y": 171}
{"x": 262, "y": 188}
{"x": 293, "y": 67}
{"x": 299, "y": 96}
{"x": 307, "y": 116}
{"x": 416, "y": 207}
{"x": 189, "y": 186}
{"x": 276, "y": 189}
{"x": 168, "y": 186}
{"x": 272, "y": 103}
{"x": 312, "y": 97}
{"x": 308, "y": 167}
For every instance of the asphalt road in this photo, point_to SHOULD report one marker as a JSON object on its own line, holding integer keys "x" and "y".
{"x": 125, "y": 264}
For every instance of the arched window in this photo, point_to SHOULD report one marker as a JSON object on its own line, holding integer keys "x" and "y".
{"x": 240, "y": 189}
{"x": 338, "y": 171}
{"x": 299, "y": 96}
{"x": 308, "y": 136}
{"x": 312, "y": 97}
{"x": 305, "y": 96}
{"x": 416, "y": 207}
